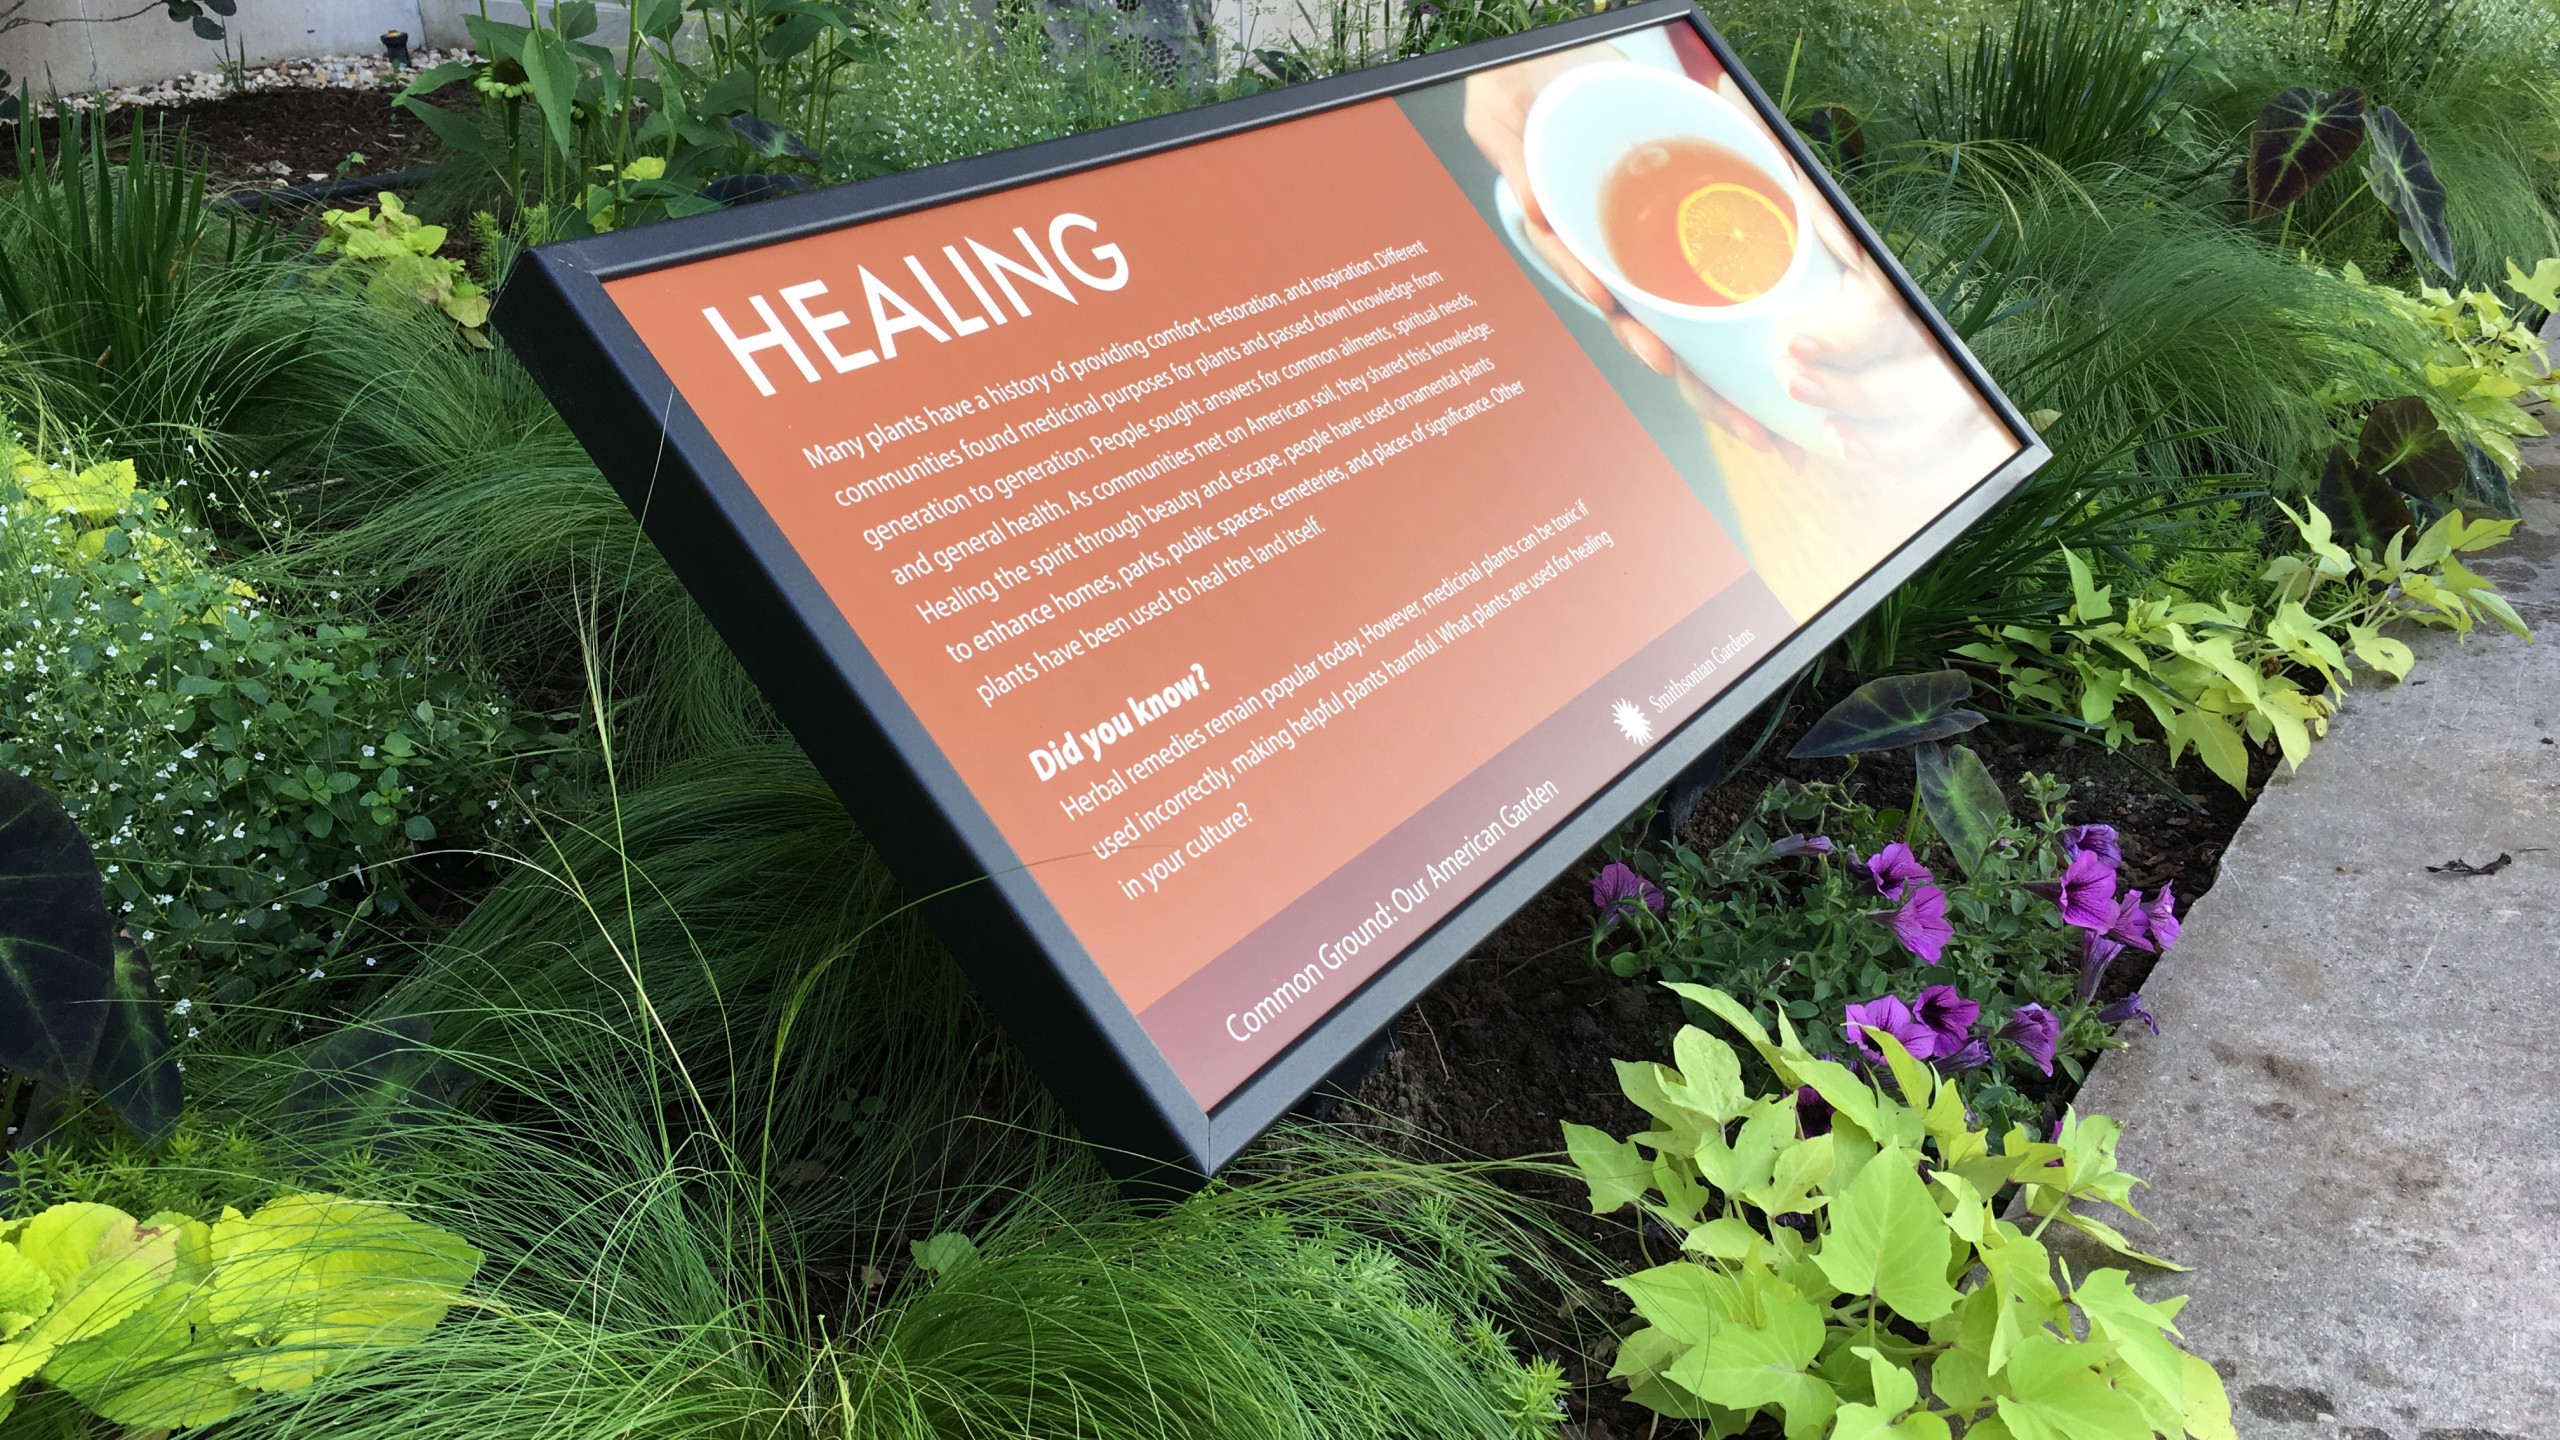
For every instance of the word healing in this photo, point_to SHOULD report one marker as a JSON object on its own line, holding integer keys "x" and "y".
{"x": 1075, "y": 747}
{"x": 891, "y": 311}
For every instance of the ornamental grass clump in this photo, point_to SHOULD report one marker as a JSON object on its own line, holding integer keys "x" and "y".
{"x": 743, "y": 1159}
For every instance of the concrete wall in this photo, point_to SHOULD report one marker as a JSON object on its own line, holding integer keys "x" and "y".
{"x": 68, "y": 49}
{"x": 440, "y": 21}
{"x": 71, "y": 49}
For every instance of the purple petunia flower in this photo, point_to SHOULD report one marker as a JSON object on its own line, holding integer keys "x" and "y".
{"x": 2033, "y": 1029}
{"x": 2097, "y": 952}
{"x": 1894, "y": 867}
{"x": 1972, "y": 1055}
{"x": 2085, "y": 891}
{"x": 1890, "y": 1015}
{"x": 2162, "y": 919}
{"x": 2132, "y": 925}
{"x": 1800, "y": 845}
{"x": 2098, "y": 840}
{"x": 1920, "y": 922}
{"x": 1948, "y": 1014}
{"x": 1813, "y": 1113}
{"x": 2127, "y": 1010}
{"x": 1618, "y": 890}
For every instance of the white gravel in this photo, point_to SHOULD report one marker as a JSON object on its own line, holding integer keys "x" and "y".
{"x": 325, "y": 72}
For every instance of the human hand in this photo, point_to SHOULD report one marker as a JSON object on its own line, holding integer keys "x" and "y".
{"x": 1866, "y": 358}
{"x": 1497, "y": 119}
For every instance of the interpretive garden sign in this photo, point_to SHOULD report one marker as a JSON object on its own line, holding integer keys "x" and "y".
{"x": 1231, "y": 561}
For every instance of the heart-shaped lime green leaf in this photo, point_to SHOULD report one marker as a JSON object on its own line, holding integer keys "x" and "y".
{"x": 313, "y": 1281}
{"x": 1616, "y": 1171}
{"x": 1887, "y": 1239}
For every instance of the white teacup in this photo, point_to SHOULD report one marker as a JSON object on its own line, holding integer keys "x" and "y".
{"x": 1579, "y": 128}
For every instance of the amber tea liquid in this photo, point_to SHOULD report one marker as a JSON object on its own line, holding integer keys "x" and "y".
{"x": 1696, "y": 224}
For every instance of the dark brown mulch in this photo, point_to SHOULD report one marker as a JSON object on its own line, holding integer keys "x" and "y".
{"x": 278, "y": 137}
{"x": 1521, "y": 1035}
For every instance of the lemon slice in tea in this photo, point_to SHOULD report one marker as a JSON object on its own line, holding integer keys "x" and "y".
{"x": 1737, "y": 239}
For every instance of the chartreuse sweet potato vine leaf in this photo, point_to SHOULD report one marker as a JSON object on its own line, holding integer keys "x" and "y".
{"x": 2300, "y": 138}
{"x": 2542, "y": 287}
{"x": 171, "y": 1322}
{"x": 2265, "y": 668}
{"x": 2404, "y": 180}
{"x": 1887, "y": 1232}
{"x": 56, "y": 948}
{"x": 1891, "y": 713}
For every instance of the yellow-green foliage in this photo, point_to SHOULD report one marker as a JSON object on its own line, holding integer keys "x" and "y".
{"x": 1810, "y": 1261}
{"x": 2482, "y": 361}
{"x": 171, "y": 1321}
{"x": 397, "y": 253}
{"x": 2222, "y": 675}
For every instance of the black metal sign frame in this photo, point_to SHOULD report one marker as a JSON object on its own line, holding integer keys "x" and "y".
{"x": 937, "y": 838}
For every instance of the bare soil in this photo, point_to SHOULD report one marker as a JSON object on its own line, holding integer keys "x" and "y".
{"x": 277, "y": 137}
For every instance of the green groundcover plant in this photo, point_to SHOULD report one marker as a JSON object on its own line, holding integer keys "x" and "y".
{"x": 249, "y": 767}
{"x": 1820, "y": 909}
{"x": 2266, "y": 668}
{"x": 1849, "y": 1265}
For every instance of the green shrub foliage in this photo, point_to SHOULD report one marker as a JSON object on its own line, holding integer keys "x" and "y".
{"x": 249, "y": 767}
{"x": 1847, "y": 1264}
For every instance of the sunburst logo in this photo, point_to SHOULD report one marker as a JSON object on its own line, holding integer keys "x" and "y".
{"x": 1631, "y": 722}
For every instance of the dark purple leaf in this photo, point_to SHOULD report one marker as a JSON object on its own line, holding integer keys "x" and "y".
{"x": 1890, "y": 714}
{"x": 57, "y": 957}
{"x": 2301, "y": 137}
{"x": 2361, "y": 503}
{"x": 2405, "y": 181}
{"x": 2402, "y": 442}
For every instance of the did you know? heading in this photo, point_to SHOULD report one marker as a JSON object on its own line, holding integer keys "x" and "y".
{"x": 812, "y": 311}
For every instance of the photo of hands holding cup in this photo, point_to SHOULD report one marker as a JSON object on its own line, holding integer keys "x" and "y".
{"x": 1664, "y": 206}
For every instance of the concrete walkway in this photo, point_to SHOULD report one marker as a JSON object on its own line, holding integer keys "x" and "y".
{"x": 2351, "y": 1117}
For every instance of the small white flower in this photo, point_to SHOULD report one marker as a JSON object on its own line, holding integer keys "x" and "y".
{"x": 184, "y": 1006}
